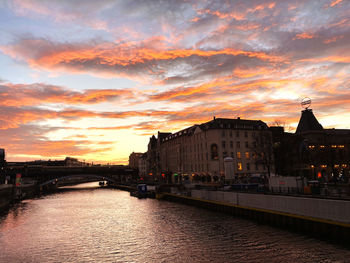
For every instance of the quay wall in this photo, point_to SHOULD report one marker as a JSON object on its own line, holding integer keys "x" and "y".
{"x": 9, "y": 194}
{"x": 322, "y": 218}
{"x": 5, "y": 196}
{"x": 324, "y": 209}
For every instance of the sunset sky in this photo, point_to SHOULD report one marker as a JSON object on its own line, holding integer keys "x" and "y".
{"x": 94, "y": 79}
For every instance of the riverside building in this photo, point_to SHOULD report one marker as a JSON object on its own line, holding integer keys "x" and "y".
{"x": 198, "y": 152}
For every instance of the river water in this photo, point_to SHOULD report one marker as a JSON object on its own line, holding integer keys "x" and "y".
{"x": 91, "y": 224}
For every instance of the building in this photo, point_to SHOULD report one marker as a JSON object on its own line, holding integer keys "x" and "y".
{"x": 134, "y": 159}
{"x": 143, "y": 165}
{"x": 312, "y": 151}
{"x": 198, "y": 152}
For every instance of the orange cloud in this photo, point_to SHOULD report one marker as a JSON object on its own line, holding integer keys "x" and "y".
{"x": 333, "y": 39}
{"x": 40, "y": 93}
{"x": 335, "y": 2}
{"x": 304, "y": 36}
{"x": 124, "y": 58}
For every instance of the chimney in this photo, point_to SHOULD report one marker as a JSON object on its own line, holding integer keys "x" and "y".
{"x": 238, "y": 118}
{"x": 214, "y": 118}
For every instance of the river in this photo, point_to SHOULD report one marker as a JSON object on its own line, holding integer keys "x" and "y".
{"x": 86, "y": 223}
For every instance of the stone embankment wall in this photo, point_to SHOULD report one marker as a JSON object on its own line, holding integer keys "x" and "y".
{"x": 323, "y": 209}
{"x": 5, "y": 196}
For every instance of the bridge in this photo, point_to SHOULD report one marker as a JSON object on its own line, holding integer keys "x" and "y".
{"x": 45, "y": 175}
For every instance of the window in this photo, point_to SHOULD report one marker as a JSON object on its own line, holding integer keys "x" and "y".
{"x": 238, "y": 155}
{"x": 238, "y": 144}
{"x": 246, "y": 144}
{"x": 248, "y": 166}
{"x": 239, "y": 166}
{"x": 223, "y": 143}
{"x": 224, "y": 154}
{"x": 231, "y": 144}
{"x": 254, "y": 144}
{"x": 232, "y": 154}
{"x": 230, "y": 133}
{"x": 247, "y": 155}
{"x": 223, "y": 133}
{"x": 214, "y": 152}
{"x": 237, "y": 133}
{"x": 256, "y": 166}
{"x": 253, "y": 134}
{"x": 246, "y": 134}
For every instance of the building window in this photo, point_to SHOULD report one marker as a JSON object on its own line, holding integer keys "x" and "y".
{"x": 248, "y": 166}
{"x": 254, "y": 144}
{"x": 224, "y": 154}
{"x": 223, "y": 143}
{"x": 253, "y": 134}
{"x": 246, "y": 144}
{"x": 223, "y": 133}
{"x": 230, "y": 133}
{"x": 237, "y": 133}
{"x": 231, "y": 144}
{"x": 238, "y": 144}
{"x": 239, "y": 155}
{"x": 247, "y": 155}
{"x": 232, "y": 154}
{"x": 239, "y": 166}
{"x": 246, "y": 134}
{"x": 214, "y": 152}
{"x": 256, "y": 167}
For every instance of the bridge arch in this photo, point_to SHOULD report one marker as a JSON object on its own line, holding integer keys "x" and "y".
{"x": 61, "y": 178}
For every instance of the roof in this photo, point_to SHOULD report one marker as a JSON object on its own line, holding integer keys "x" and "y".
{"x": 308, "y": 122}
{"x": 219, "y": 123}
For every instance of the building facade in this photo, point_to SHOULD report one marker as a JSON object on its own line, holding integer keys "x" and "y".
{"x": 134, "y": 159}
{"x": 312, "y": 151}
{"x": 198, "y": 152}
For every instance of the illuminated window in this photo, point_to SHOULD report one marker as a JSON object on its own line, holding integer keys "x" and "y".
{"x": 239, "y": 166}
{"x": 340, "y": 146}
{"x": 312, "y": 166}
{"x": 344, "y": 165}
{"x": 322, "y": 146}
{"x": 334, "y": 146}
{"x": 247, "y": 155}
{"x": 336, "y": 166}
{"x": 323, "y": 165}
{"x": 238, "y": 155}
{"x": 311, "y": 146}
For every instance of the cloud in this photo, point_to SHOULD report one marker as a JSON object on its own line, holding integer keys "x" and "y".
{"x": 30, "y": 140}
{"x": 41, "y": 94}
{"x": 130, "y": 59}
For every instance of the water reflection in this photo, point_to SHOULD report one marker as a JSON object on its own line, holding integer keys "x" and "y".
{"x": 106, "y": 225}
